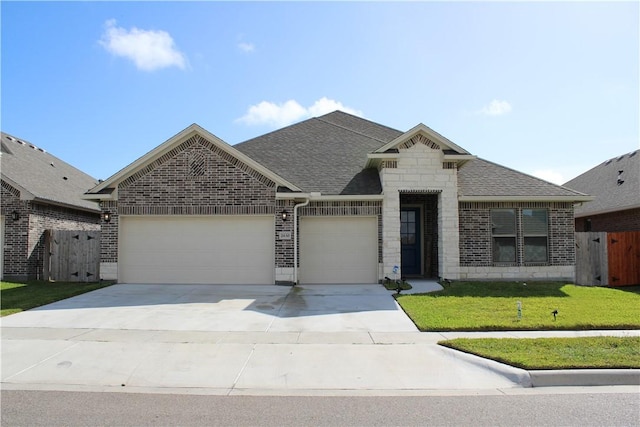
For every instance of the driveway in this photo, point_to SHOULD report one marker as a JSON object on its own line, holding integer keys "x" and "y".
{"x": 323, "y": 339}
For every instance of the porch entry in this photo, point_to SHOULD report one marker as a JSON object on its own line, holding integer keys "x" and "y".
{"x": 419, "y": 234}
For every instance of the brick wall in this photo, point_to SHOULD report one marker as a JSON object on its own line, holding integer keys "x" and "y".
{"x": 476, "y": 242}
{"x": 627, "y": 220}
{"x": 24, "y": 239}
{"x": 16, "y": 234}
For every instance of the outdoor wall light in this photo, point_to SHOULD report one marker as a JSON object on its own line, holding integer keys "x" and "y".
{"x": 15, "y": 215}
{"x": 284, "y": 215}
{"x": 106, "y": 216}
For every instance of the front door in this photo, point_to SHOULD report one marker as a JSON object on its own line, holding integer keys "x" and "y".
{"x": 410, "y": 241}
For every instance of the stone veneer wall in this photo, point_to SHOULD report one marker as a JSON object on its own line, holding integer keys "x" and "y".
{"x": 476, "y": 243}
{"x": 24, "y": 239}
{"x": 420, "y": 168}
{"x": 194, "y": 178}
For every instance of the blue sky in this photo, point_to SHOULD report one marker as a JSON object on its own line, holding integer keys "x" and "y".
{"x": 550, "y": 89}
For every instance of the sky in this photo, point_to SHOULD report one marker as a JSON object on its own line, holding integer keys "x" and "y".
{"x": 547, "y": 88}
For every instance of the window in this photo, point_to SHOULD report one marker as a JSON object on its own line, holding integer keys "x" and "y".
{"x": 534, "y": 231}
{"x": 503, "y": 231}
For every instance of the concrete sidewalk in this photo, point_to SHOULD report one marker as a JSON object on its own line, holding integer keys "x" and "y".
{"x": 243, "y": 340}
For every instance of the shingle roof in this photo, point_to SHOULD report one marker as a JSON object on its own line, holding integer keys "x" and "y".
{"x": 602, "y": 183}
{"x": 481, "y": 178}
{"x": 324, "y": 154}
{"x": 45, "y": 176}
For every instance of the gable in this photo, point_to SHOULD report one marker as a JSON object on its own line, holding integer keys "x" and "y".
{"x": 196, "y": 173}
{"x": 165, "y": 157}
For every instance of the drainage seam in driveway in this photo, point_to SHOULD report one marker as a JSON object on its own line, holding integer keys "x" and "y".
{"x": 244, "y": 366}
{"x": 273, "y": 319}
{"x": 42, "y": 361}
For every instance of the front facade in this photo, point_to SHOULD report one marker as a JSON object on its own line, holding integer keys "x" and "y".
{"x": 333, "y": 199}
{"x": 39, "y": 192}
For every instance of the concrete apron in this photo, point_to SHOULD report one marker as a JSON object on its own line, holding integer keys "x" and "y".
{"x": 338, "y": 339}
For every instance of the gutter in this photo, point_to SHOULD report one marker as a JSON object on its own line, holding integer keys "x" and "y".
{"x": 295, "y": 238}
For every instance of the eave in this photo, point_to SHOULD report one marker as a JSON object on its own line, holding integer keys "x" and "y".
{"x": 570, "y": 199}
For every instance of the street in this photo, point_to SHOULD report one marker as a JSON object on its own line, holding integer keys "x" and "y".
{"x": 610, "y": 406}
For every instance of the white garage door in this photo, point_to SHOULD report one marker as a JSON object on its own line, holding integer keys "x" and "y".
{"x": 196, "y": 249}
{"x": 338, "y": 250}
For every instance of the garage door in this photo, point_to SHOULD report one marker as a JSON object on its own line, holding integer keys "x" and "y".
{"x": 338, "y": 250}
{"x": 196, "y": 249}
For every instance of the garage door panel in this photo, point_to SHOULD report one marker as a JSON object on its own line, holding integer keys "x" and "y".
{"x": 187, "y": 249}
{"x": 338, "y": 249}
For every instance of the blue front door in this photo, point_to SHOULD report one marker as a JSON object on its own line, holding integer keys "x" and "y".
{"x": 410, "y": 241}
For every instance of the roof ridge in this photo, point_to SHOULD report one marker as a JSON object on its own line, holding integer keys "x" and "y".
{"x": 351, "y": 130}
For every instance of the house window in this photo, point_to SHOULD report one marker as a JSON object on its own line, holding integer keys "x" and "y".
{"x": 534, "y": 234}
{"x": 503, "y": 226}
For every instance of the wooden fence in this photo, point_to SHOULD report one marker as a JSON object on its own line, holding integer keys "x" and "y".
{"x": 72, "y": 256}
{"x": 608, "y": 259}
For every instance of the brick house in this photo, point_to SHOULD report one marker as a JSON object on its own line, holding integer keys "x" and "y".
{"x": 348, "y": 198}
{"x": 39, "y": 192}
{"x": 615, "y": 187}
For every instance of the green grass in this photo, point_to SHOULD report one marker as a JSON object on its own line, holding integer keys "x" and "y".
{"x": 17, "y": 297}
{"x": 555, "y": 353}
{"x": 490, "y": 306}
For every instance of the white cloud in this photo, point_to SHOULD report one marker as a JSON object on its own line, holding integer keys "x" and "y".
{"x": 550, "y": 175}
{"x": 246, "y": 47}
{"x": 496, "y": 108}
{"x": 278, "y": 115}
{"x": 148, "y": 49}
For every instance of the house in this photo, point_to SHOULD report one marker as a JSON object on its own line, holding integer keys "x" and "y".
{"x": 39, "y": 192}
{"x": 615, "y": 187}
{"x": 348, "y": 198}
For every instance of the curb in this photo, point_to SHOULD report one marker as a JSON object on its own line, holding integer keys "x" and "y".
{"x": 517, "y": 375}
{"x": 585, "y": 377}
{"x": 553, "y": 378}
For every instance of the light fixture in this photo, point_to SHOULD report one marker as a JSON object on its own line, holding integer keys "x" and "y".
{"x": 15, "y": 215}
{"x": 106, "y": 216}
{"x": 284, "y": 215}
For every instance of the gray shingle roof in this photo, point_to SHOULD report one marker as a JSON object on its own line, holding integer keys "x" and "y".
{"x": 45, "y": 176}
{"x": 324, "y": 154}
{"x": 481, "y": 178}
{"x": 602, "y": 183}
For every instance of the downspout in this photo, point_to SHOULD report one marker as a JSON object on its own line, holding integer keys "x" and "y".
{"x": 295, "y": 239}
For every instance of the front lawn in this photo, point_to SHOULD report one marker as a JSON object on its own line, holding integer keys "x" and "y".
{"x": 555, "y": 353}
{"x": 491, "y": 306}
{"x": 16, "y": 297}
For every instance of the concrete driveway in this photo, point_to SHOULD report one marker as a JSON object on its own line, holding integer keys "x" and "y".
{"x": 324, "y": 339}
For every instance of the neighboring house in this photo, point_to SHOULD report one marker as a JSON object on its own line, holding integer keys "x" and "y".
{"x": 39, "y": 192}
{"x": 615, "y": 187}
{"x": 348, "y": 198}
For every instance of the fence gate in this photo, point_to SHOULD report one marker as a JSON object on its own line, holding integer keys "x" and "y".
{"x": 624, "y": 258}
{"x": 73, "y": 256}
{"x": 608, "y": 259}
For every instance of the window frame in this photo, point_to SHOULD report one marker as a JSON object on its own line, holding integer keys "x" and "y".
{"x": 504, "y": 236}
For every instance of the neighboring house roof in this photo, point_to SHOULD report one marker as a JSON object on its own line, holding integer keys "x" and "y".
{"x": 41, "y": 176}
{"x": 479, "y": 179}
{"x": 324, "y": 154}
{"x": 602, "y": 183}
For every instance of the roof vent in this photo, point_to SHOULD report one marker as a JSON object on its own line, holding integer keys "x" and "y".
{"x": 620, "y": 180}
{"x": 52, "y": 165}
{"x": 9, "y": 138}
{"x": 619, "y": 158}
{"x": 41, "y": 150}
{"x": 608, "y": 162}
{"x": 633, "y": 154}
{"x": 65, "y": 178}
{"x": 20, "y": 142}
